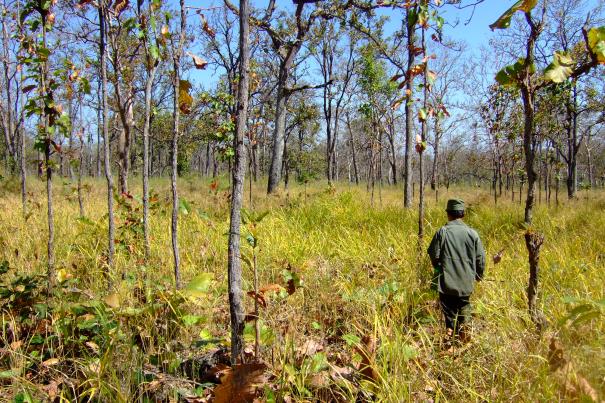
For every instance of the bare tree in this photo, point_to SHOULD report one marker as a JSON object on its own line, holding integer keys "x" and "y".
{"x": 234, "y": 263}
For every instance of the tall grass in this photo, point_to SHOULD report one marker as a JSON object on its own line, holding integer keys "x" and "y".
{"x": 361, "y": 276}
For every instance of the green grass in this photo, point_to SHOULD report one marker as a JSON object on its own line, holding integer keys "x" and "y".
{"x": 361, "y": 277}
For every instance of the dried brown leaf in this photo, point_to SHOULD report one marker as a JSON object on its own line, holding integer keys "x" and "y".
{"x": 240, "y": 383}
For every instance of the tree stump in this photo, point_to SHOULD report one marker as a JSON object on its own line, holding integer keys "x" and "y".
{"x": 533, "y": 242}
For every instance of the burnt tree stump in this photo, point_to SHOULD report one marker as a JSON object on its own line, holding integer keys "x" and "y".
{"x": 533, "y": 242}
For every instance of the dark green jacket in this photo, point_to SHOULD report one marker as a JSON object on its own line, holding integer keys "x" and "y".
{"x": 458, "y": 257}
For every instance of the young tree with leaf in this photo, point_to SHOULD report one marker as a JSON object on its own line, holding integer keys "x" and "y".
{"x": 182, "y": 102}
{"x": 236, "y": 306}
{"x": 38, "y": 19}
{"x": 151, "y": 43}
{"x": 525, "y": 76}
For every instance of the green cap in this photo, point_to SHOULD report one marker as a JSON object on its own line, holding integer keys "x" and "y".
{"x": 455, "y": 205}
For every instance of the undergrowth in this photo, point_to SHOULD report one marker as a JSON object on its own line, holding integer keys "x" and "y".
{"x": 348, "y": 314}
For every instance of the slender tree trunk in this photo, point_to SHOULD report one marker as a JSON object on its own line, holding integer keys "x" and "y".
{"x": 50, "y": 246}
{"x": 421, "y": 154}
{"x": 70, "y": 112}
{"x": 529, "y": 146}
{"x": 106, "y": 142}
{"x": 434, "y": 170}
{"x": 81, "y": 165}
{"x": 146, "y": 125}
{"x": 175, "y": 137}
{"x": 99, "y": 128}
{"x": 533, "y": 242}
{"x": 409, "y": 88}
{"x": 236, "y": 306}
{"x": 22, "y": 156}
{"x": 279, "y": 131}
{"x": 353, "y": 154}
{"x": 8, "y": 119}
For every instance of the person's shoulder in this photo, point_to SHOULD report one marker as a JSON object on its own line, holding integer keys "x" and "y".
{"x": 473, "y": 232}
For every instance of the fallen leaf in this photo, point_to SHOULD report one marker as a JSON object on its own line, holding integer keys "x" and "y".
{"x": 240, "y": 383}
{"x": 309, "y": 348}
{"x": 367, "y": 351}
{"x": 112, "y": 300}
{"x": 50, "y": 362}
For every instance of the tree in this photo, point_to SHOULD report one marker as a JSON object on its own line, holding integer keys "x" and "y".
{"x": 151, "y": 47}
{"x": 234, "y": 259}
{"x": 102, "y": 10}
{"x": 181, "y": 102}
{"x": 37, "y": 15}
{"x": 524, "y": 76}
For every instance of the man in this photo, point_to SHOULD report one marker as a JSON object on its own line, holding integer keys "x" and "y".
{"x": 458, "y": 258}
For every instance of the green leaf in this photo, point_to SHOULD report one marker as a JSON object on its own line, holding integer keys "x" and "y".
{"x": 409, "y": 352}
{"x": 4, "y": 267}
{"x": 596, "y": 43}
{"x": 351, "y": 339}
{"x": 560, "y": 69}
{"x": 8, "y": 374}
{"x": 512, "y": 74}
{"x": 154, "y": 51}
{"x": 504, "y": 21}
{"x": 198, "y": 287}
{"x": 184, "y": 207}
{"x": 422, "y": 114}
{"x": 191, "y": 320}
{"x": 319, "y": 362}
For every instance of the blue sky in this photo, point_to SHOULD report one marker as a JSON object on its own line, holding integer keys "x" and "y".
{"x": 475, "y": 32}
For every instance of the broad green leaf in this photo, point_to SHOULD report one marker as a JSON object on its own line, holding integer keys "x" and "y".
{"x": 154, "y": 51}
{"x": 504, "y": 21}
{"x": 510, "y": 75}
{"x": 560, "y": 69}
{"x": 319, "y": 362}
{"x": 351, "y": 339}
{"x": 184, "y": 207}
{"x": 422, "y": 114}
{"x": 8, "y": 374}
{"x": 596, "y": 43}
{"x": 198, "y": 287}
{"x": 191, "y": 320}
{"x": 4, "y": 267}
{"x": 409, "y": 352}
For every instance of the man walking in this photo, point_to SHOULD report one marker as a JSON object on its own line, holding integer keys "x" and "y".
{"x": 458, "y": 258}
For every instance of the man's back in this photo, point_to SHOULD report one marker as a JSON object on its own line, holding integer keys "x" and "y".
{"x": 457, "y": 253}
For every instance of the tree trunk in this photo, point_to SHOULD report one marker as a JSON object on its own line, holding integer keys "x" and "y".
{"x": 529, "y": 146}
{"x": 533, "y": 242}
{"x": 236, "y": 306}
{"x": 409, "y": 88}
{"x": 352, "y": 143}
{"x": 151, "y": 69}
{"x": 106, "y": 144}
{"x": 81, "y": 165}
{"x": 99, "y": 128}
{"x": 280, "y": 129}
{"x": 175, "y": 137}
{"x": 434, "y": 170}
{"x": 423, "y": 132}
{"x": 22, "y": 156}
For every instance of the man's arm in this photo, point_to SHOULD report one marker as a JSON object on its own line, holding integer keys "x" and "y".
{"x": 434, "y": 250}
{"x": 479, "y": 260}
